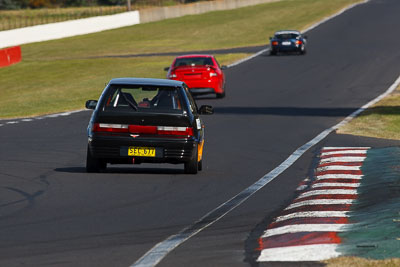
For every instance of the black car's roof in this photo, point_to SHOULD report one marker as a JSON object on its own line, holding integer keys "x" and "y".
{"x": 146, "y": 81}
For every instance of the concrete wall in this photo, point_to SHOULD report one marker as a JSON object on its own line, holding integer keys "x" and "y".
{"x": 70, "y": 28}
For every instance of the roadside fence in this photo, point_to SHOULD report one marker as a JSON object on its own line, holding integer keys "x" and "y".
{"x": 13, "y": 19}
{"x": 24, "y": 18}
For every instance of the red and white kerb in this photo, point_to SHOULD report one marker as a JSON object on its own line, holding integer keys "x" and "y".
{"x": 308, "y": 229}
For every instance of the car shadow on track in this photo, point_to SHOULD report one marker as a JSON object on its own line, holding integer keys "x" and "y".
{"x": 127, "y": 170}
{"x": 304, "y": 111}
{"x": 285, "y": 111}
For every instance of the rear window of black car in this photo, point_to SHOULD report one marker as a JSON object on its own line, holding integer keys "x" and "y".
{"x": 143, "y": 98}
{"x": 287, "y": 36}
{"x": 193, "y": 61}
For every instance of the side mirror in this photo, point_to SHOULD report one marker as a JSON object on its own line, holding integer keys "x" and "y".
{"x": 166, "y": 69}
{"x": 223, "y": 67}
{"x": 91, "y": 104}
{"x": 206, "y": 110}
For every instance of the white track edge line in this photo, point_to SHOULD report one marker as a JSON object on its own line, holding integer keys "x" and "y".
{"x": 29, "y": 119}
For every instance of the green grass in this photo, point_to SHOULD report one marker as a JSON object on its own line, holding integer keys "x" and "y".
{"x": 60, "y": 75}
{"x": 67, "y": 84}
{"x": 221, "y": 29}
{"x": 381, "y": 120}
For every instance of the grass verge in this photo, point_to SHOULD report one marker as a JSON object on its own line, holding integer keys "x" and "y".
{"x": 60, "y": 75}
{"x": 382, "y": 120}
{"x": 67, "y": 84}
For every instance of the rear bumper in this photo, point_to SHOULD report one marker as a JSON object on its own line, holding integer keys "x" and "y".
{"x": 210, "y": 86}
{"x": 200, "y": 91}
{"x": 115, "y": 149}
{"x": 286, "y": 48}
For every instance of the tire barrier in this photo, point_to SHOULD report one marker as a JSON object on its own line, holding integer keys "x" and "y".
{"x": 9, "y": 56}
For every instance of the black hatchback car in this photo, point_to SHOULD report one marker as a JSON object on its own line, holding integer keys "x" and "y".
{"x": 288, "y": 41}
{"x": 139, "y": 120}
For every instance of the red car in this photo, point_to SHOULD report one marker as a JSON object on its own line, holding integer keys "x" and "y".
{"x": 201, "y": 73}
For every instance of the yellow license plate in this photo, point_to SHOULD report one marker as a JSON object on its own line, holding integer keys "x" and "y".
{"x": 141, "y": 151}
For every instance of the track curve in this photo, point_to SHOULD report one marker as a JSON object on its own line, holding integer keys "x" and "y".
{"x": 53, "y": 213}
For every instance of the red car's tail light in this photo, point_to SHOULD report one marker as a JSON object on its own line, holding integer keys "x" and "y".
{"x": 275, "y": 43}
{"x": 171, "y": 130}
{"x": 172, "y": 74}
{"x": 108, "y": 127}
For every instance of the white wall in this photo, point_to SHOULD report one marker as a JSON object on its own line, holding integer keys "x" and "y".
{"x": 69, "y": 28}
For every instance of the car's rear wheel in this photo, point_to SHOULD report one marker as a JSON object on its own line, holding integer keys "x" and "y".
{"x": 192, "y": 166}
{"x": 200, "y": 165}
{"x": 94, "y": 164}
{"x": 272, "y": 52}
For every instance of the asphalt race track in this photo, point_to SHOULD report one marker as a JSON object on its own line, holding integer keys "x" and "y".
{"x": 52, "y": 213}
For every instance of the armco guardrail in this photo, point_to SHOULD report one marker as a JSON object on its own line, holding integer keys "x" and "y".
{"x": 70, "y": 28}
{"x": 9, "y": 56}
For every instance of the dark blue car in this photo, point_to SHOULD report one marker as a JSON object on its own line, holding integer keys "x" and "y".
{"x": 288, "y": 41}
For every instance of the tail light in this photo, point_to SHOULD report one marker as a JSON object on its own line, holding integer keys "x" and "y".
{"x": 213, "y": 74}
{"x": 113, "y": 128}
{"x": 275, "y": 43}
{"x": 143, "y": 129}
{"x": 172, "y": 74}
{"x": 171, "y": 130}
{"x": 298, "y": 42}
